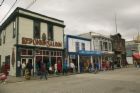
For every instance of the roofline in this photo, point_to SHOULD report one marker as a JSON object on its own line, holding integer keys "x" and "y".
{"x": 19, "y": 8}
{"x": 77, "y": 37}
{"x": 15, "y": 13}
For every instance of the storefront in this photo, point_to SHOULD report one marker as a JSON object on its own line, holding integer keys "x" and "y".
{"x": 27, "y": 36}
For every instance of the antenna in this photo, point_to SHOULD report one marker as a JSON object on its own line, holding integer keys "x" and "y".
{"x": 116, "y": 23}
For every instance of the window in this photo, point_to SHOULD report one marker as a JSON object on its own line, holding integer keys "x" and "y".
{"x": 110, "y": 46}
{"x": 7, "y": 62}
{"x": 50, "y": 32}
{"x": 101, "y": 46}
{"x": 36, "y": 30}
{"x": 77, "y": 46}
{"x": 4, "y": 36}
{"x": 0, "y": 62}
{"x": 105, "y": 46}
{"x": 30, "y": 52}
{"x": 14, "y": 29}
{"x": 83, "y": 46}
{"x": 0, "y": 40}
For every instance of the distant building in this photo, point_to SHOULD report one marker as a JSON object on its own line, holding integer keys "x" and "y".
{"x": 78, "y": 50}
{"x": 27, "y": 36}
{"x": 132, "y": 47}
{"x": 119, "y": 49}
{"x": 101, "y": 44}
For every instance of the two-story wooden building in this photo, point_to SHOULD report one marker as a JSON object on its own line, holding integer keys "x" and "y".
{"x": 30, "y": 37}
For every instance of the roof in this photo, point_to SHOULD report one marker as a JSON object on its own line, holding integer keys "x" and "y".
{"x": 17, "y": 12}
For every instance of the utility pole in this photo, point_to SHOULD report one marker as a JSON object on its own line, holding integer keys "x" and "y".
{"x": 116, "y": 23}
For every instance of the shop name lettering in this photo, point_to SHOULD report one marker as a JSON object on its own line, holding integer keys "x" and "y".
{"x": 41, "y": 42}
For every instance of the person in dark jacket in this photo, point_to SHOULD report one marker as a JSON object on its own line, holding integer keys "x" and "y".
{"x": 29, "y": 67}
{"x": 43, "y": 70}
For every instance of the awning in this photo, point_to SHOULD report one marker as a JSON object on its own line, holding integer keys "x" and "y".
{"x": 91, "y": 53}
{"x": 136, "y": 55}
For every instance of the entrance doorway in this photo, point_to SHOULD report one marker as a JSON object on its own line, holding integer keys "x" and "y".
{"x": 26, "y": 60}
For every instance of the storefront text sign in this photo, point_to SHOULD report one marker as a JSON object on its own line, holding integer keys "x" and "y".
{"x": 41, "y": 42}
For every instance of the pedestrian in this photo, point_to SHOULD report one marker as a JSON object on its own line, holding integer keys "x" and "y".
{"x": 90, "y": 67}
{"x": 29, "y": 67}
{"x": 43, "y": 70}
{"x": 23, "y": 66}
{"x": 72, "y": 67}
{"x": 55, "y": 68}
{"x": 65, "y": 67}
{"x": 59, "y": 66}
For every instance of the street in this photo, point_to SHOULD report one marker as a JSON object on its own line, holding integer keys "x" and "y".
{"x": 125, "y": 80}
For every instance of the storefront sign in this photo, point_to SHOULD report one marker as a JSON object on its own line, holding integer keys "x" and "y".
{"x": 41, "y": 42}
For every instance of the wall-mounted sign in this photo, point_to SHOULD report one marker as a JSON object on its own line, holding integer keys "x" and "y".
{"x": 41, "y": 42}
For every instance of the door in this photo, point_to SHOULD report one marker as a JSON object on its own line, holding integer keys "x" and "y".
{"x": 26, "y": 60}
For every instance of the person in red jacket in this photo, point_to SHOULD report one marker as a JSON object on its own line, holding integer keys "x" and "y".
{"x": 59, "y": 66}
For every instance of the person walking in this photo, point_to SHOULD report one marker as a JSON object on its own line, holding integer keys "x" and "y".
{"x": 65, "y": 67}
{"x": 43, "y": 70}
{"x": 23, "y": 66}
{"x": 59, "y": 66}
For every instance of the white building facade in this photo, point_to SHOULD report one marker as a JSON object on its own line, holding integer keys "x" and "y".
{"x": 78, "y": 50}
{"x": 100, "y": 43}
{"x": 30, "y": 37}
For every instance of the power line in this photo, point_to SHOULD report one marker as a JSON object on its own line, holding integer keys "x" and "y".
{"x": 8, "y": 11}
{"x": 2, "y": 2}
{"x": 31, "y": 4}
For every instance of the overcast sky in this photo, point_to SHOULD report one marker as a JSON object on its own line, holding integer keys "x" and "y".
{"x": 82, "y": 16}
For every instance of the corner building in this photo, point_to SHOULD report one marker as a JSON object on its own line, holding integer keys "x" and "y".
{"x": 27, "y": 36}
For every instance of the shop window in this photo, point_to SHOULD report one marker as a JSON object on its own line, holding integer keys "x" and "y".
{"x": 14, "y": 29}
{"x": 36, "y": 30}
{"x": 77, "y": 46}
{"x": 47, "y": 52}
{"x": 23, "y": 52}
{"x": 44, "y": 52}
{"x": 50, "y": 32}
{"x": 52, "y": 53}
{"x": 58, "y": 53}
{"x": 55, "y": 54}
{"x": 83, "y": 46}
{"x": 30, "y": 52}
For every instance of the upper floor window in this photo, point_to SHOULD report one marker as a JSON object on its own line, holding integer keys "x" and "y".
{"x": 4, "y": 36}
{"x": 77, "y": 46}
{"x": 110, "y": 46}
{"x": 0, "y": 40}
{"x": 50, "y": 32}
{"x": 36, "y": 29}
{"x": 83, "y": 46}
{"x": 14, "y": 29}
{"x": 101, "y": 45}
{"x": 105, "y": 46}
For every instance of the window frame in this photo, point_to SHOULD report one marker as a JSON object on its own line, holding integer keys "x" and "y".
{"x": 36, "y": 26}
{"x": 50, "y": 32}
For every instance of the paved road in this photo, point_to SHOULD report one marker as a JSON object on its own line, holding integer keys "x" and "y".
{"x": 126, "y": 80}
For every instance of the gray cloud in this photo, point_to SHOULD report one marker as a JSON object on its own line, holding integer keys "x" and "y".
{"x": 91, "y": 15}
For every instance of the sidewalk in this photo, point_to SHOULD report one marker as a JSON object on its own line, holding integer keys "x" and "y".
{"x": 13, "y": 79}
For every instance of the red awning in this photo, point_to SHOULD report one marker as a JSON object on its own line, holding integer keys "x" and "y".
{"x": 136, "y": 55}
